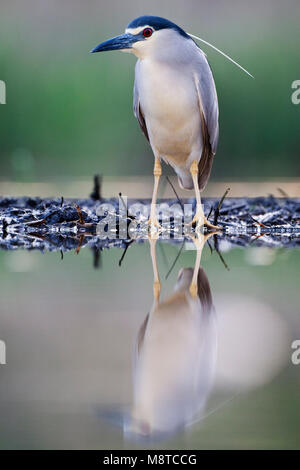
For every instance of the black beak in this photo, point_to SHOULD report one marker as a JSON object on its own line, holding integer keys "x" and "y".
{"x": 124, "y": 41}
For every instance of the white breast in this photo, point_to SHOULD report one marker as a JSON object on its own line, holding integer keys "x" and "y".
{"x": 169, "y": 102}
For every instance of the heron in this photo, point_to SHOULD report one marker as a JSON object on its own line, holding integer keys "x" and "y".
{"x": 175, "y": 353}
{"x": 175, "y": 102}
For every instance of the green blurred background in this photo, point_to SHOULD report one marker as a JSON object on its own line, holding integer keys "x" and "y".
{"x": 69, "y": 113}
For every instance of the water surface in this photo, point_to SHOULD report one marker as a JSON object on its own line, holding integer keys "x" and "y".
{"x": 71, "y": 333}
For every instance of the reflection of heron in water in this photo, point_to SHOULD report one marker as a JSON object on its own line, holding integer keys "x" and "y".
{"x": 175, "y": 354}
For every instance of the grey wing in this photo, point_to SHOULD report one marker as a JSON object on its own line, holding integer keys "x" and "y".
{"x": 209, "y": 112}
{"x": 137, "y": 106}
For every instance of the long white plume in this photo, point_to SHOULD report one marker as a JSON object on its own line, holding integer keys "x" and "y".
{"x": 223, "y": 53}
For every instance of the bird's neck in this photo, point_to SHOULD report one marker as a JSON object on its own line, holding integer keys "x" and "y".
{"x": 175, "y": 53}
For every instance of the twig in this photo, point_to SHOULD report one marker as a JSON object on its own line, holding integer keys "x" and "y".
{"x": 178, "y": 199}
{"x": 125, "y": 251}
{"x": 258, "y": 223}
{"x": 210, "y": 247}
{"x": 96, "y": 257}
{"x": 125, "y": 208}
{"x": 4, "y": 228}
{"x": 175, "y": 260}
{"x": 283, "y": 193}
{"x": 210, "y": 211}
{"x": 81, "y": 219}
{"x": 216, "y": 243}
{"x": 217, "y": 210}
{"x": 81, "y": 240}
{"x": 36, "y": 223}
{"x": 96, "y": 194}
{"x": 256, "y": 238}
{"x": 123, "y": 202}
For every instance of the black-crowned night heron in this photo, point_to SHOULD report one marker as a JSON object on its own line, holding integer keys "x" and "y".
{"x": 175, "y": 102}
{"x": 175, "y": 354}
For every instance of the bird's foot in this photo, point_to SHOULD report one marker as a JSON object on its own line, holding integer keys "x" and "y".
{"x": 211, "y": 226}
{"x": 154, "y": 225}
{"x": 201, "y": 221}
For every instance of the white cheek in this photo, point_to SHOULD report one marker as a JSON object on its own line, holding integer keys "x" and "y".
{"x": 128, "y": 51}
{"x": 139, "y": 45}
{"x": 139, "y": 49}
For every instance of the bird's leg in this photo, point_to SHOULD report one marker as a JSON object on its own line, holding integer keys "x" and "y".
{"x": 199, "y": 217}
{"x": 199, "y": 241}
{"x": 156, "y": 281}
{"x": 153, "y": 222}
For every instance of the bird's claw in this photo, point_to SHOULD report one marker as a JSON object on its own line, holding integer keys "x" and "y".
{"x": 201, "y": 221}
{"x": 212, "y": 226}
{"x": 154, "y": 225}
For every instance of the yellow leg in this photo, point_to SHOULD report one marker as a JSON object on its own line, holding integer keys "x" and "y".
{"x": 199, "y": 217}
{"x": 156, "y": 281}
{"x": 153, "y": 222}
{"x": 199, "y": 241}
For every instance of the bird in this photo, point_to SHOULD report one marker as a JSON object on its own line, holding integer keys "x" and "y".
{"x": 175, "y": 355}
{"x": 175, "y": 102}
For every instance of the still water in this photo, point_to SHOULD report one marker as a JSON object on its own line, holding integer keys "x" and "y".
{"x": 104, "y": 358}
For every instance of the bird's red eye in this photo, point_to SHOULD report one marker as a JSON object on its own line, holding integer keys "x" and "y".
{"x": 147, "y": 32}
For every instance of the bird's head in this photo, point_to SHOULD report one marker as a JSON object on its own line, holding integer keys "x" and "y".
{"x": 145, "y": 36}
